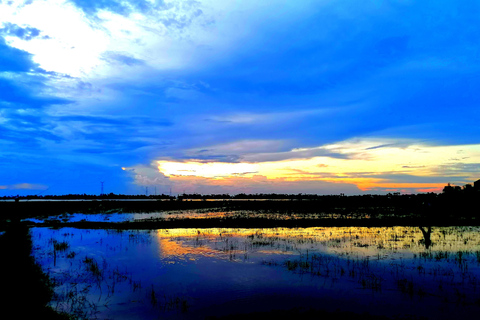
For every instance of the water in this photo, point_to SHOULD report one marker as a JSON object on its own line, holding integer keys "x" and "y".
{"x": 102, "y": 217}
{"x": 167, "y": 215}
{"x": 194, "y": 273}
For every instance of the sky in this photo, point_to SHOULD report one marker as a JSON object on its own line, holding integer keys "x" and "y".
{"x": 214, "y": 96}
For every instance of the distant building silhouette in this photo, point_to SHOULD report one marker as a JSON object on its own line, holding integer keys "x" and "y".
{"x": 476, "y": 185}
{"x": 466, "y": 189}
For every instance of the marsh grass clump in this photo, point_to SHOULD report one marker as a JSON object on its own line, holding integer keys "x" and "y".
{"x": 371, "y": 281}
{"x": 92, "y": 266}
{"x": 153, "y": 297}
{"x": 178, "y": 303}
{"x": 136, "y": 285}
{"x": 269, "y": 262}
{"x": 293, "y": 265}
{"x": 167, "y": 303}
{"x": 74, "y": 302}
{"x": 405, "y": 286}
{"x": 441, "y": 255}
{"x": 60, "y": 246}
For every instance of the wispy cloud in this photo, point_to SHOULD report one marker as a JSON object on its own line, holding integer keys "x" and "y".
{"x": 24, "y": 186}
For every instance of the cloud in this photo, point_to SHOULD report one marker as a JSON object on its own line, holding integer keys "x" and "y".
{"x": 171, "y": 14}
{"x": 147, "y": 175}
{"x": 122, "y": 7}
{"x": 306, "y": 153}
{"x": 261, "y": 184}
{"x": 254, "y": 151}
{"x": 399, "y": 177}
{"x": 15, "y": 60}
{"x": 26, "y": 33}
{"x": 120, "y": 58}
{"x": 24, "y": 186}
{"x": 234, "y": 151}
{"x": 256, "y": 183}
{"x": 405, "y": 190}
{"x": 389, "y": 145}
{"x": 26, "y": 92}
{"x": 22, "y": 82}
{"x": 451, "y": 170}
{"x": 317, "y": 174}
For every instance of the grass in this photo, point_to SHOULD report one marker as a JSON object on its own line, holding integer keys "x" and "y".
{"x": 92, "y": 266}
{"x": 60, "y": 246}
{"x": 167, "y": 303}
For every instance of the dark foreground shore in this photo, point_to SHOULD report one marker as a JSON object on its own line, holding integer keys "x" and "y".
{"x": 26, "y": 290}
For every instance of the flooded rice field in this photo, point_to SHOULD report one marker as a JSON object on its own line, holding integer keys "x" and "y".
{"x": 169, "y": 215}
{"x": 196, "y": 273}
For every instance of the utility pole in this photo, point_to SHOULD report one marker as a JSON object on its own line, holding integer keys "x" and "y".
{"x": 101, "y": 187}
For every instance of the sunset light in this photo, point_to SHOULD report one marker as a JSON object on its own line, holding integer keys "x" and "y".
{"x": 368, "y": 164}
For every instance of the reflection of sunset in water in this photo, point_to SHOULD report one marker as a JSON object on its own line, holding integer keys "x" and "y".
{"x": 207, "y": 267}
{"x": 361, "y": 241}
{"x": 172, "y": 248}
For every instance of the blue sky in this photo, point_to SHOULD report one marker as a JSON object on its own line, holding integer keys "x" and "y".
{"x": 273, "y": 96}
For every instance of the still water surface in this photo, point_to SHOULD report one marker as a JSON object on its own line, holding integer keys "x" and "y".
{"x": 167, "y": 215}
{"x": 194, "y": 273}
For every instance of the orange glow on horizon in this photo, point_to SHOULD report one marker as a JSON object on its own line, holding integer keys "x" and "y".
{"x": 366, "y": 164}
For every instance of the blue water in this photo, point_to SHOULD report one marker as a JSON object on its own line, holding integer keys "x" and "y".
{"x": 194, "y": 273}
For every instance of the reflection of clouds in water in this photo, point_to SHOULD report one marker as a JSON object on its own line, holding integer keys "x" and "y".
{"x": 359, "y": 241}
{"x": 274, "y": 252}
{"x": 197, "y": 259}
{"x": 173, "y": 249}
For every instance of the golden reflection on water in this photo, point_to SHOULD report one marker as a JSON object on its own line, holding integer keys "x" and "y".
{"x": 171, "y": 248}
{"x": 221, "y": 242}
